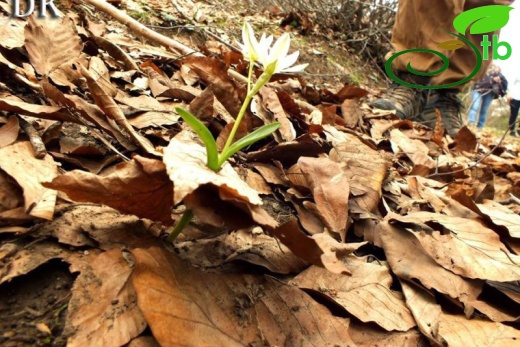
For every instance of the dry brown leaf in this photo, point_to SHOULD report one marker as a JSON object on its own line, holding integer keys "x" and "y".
{"x": 9, "y": 132}
{"x": 502, "y": 216}
{"x": 465, "y": 141}
{"x": 416, "y": 150}
{"x": 273, "y": 104}
{"x": 143, "y": 341}
{"x": 186, "y": 165}
{"x": 469, "y": 249}
{"x": 330, "y": 189}
{"x": 186, "y": 307}
{"x": 23, "y": 258}
{"x": 456, "y": 330}
{"x": 410, "y": 262}
{"x": 139, "y": 187}
{"x": 250, "y": 246}
{"x": 89, "y": 112}
{"x": 50, "y": 43}
{"x": 321, "y": 250}
{"x": 12, "y": 32}
{"x": 370, "y": 335}
{"x": 116, "y": 52}
{"x": 213, "y": 71}
{"x": 352, "y": 113}
{"x": 19, "y": 162}
{"x": 271, "y": 173}
{"x": 95, "y": 226}
{"x": 106, "y": 103}
{"x": 351, "y": 92}
{"x": 11, "y": 198}
{"x": 425, "y": 311}
{"x": 366, "y": 294}
{"x": 364, "y": 166}
{"x": 13, "y": 104}
{"x": 103, "y": 309}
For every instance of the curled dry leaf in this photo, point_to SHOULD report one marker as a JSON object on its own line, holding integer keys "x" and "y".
{"x": 501, "y": 216}
{"x": 416, "y": 150}
{"x": 103, "y": 309}
{"x": 9, "y": 132}
{"x": 410, "y": 262}
{"x": 23, "y": 258}
{"x": 139, "y": 187}
{"x": 213, "y": 71}
{"x": 252, "y": 247}
{"x": 112, "y": 110}
{"x": 95, "y": 226}
{"x": 19, "y": 162}
{"x": 456, "y": 330}
{"x": 186, "y": 307}
{"x": 469, "y": 249}
{"x": 366, "y": 294}
{"x": 330, "y": 189}
{"x": 273, "y": 104}
{"x": 365, "y": 169}
{"x": 13, "y": 104}
{"x": 323, "y": 251}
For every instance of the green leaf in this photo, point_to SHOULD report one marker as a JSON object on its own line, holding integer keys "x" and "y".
{"x": 249, "y": 139}
{"x": 486, "y": 19}
{"x": 205, "y": 135}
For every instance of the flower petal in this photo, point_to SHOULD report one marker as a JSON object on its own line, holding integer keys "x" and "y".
{"x": 250, "y": 42}
{"x": 280, "y": 48}
{"x": 296, "y": 68}
{"x": 289, "y": 60}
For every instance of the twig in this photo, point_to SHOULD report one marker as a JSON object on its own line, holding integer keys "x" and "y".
{"x": 35, "y": 138}
{"x": 140, "y": 29}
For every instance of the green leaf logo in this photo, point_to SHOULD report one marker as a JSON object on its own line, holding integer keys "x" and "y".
{"x": 485, "y": 18}
{"x": 451, "y": 45}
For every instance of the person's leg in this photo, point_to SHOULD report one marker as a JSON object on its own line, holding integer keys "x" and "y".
{"x": 422, "y": 24}
{"x": 484, "y": 108}
{"x": 515, "y": 105}
{"x": 476, "y": 100}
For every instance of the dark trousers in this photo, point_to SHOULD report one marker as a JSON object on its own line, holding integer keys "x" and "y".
{"x": 515, "y": 105}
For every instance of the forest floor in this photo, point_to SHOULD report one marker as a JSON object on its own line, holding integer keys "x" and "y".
{"x": 347, "y": 227}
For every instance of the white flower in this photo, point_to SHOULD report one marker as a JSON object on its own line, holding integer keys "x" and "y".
{"x": 274, "y": 59}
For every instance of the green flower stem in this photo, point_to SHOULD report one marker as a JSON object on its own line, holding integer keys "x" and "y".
{"x": 262, "y": 80}
{"x": 250, "y": 75}
{"x": 186, "y": 218}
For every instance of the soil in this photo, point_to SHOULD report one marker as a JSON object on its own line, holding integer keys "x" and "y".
{"x": 33, "y": 307}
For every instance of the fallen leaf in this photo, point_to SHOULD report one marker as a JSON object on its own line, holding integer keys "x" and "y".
{"x": 311, "y": 250}
{"x": 501, "y": 216}
{"x": 9, "y": 132}
{"x": 19, "y": 162}
{"x": 416, "y": 150}
{"x": 139, "y": 187}
{"x": 330, "y": 189}
{"x": 227, "y": 309}
{"x": 365, "y": 294}
{"x": 51, "y": 43}
{"x": 103, "y": 309}
{"x": 364, "y": 166}
{"x": 468, "y": 248}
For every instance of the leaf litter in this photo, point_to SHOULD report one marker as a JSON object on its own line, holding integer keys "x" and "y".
{"x": 347, "y": 227}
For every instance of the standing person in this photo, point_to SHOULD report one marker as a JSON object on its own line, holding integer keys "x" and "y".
{"x": 492, "y": 85}
{"x": 423, "y": 24}
{"x": 514, "y": 104}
